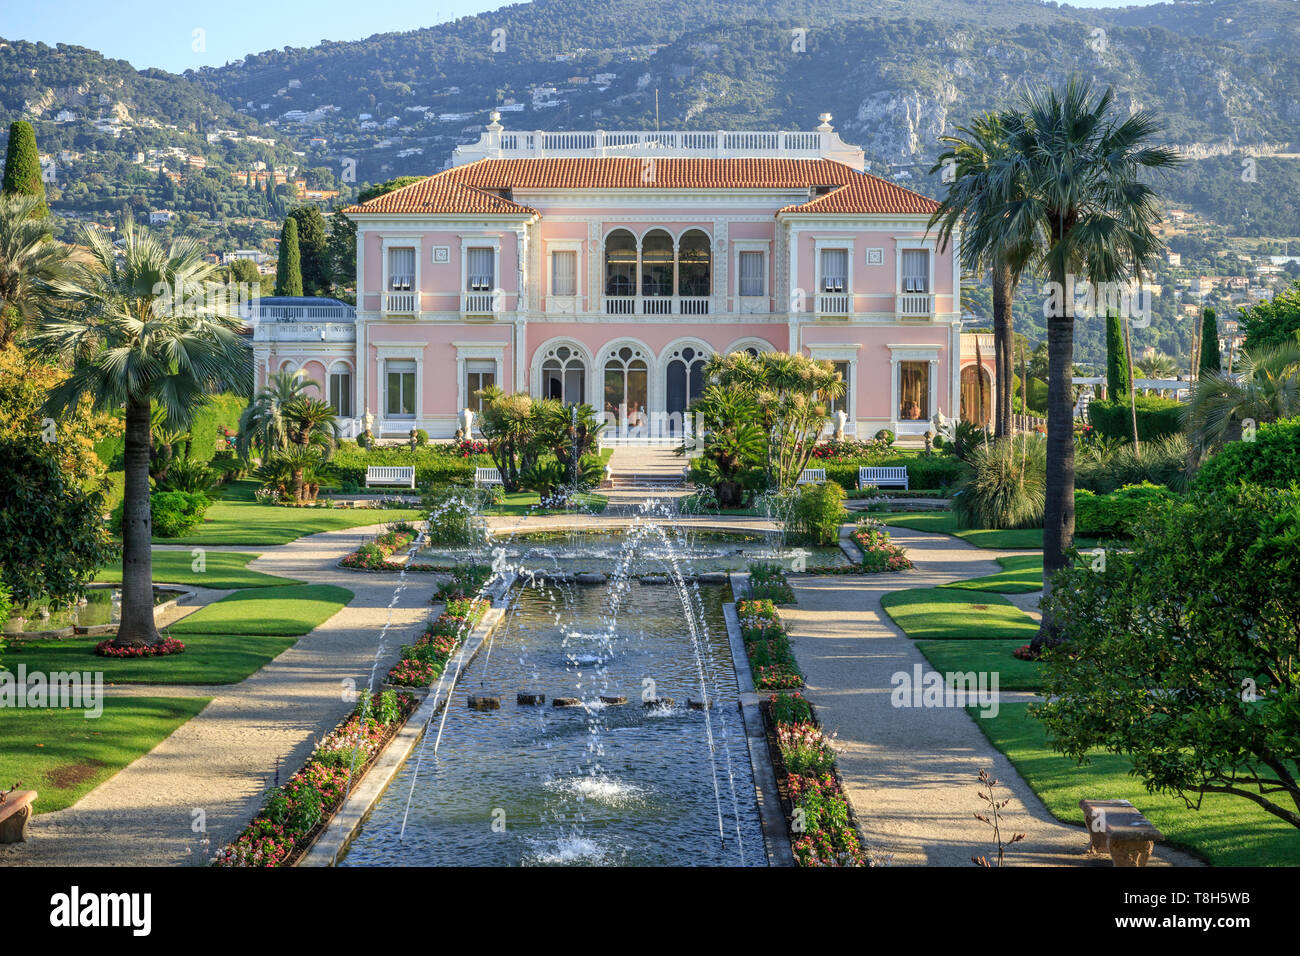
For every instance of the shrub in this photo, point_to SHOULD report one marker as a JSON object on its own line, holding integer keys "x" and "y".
{"x": 1157, "y": 417}
{"x": 454, "y": 514}
{"x": 1271, "y": 460}
{"x": 1103, "y": 466}
{"x": 1119, "y": 513}
{"x": 886, "y": 436}
{"x": 434, "y": 464}
{"x": 879, "y": 553}
{"x": 188, "y": 474}
{"x": 816, "y": 512}
{"x": 933, "y": 471}
{"x": 421, "y": 437}
{"x": 1006, "y": 487}
{"x": 174, "y": 513}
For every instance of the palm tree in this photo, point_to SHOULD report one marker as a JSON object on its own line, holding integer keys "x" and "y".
{"x": 1157, "y": 365}
{"x": 976, "y": 211}
{"x": 30, "y": 261}
{"x": 128, "y": 344}
{"x": 1265, "y": 388}
{"x": 1073, "y": 174}
{"x": 265, "y": 425}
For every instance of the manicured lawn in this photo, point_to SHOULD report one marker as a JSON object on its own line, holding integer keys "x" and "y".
{"x": 945, "y": 522}
{"x": 952, "y": 615}
{"x": 1023, "y": 574}
{"x": 64, "y": 756}
{"x": 289, "y": 611}
{"x": 525, "y": 503}
{"x": 240, "y": 522}
{"x": 222, "y": 569}
{"x": 986, "y": 657}
{"x": 1227, "y": 831}
{"x": 207, "y": 659}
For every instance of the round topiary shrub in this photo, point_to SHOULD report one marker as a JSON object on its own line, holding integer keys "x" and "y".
{"x": 886, "y": 436}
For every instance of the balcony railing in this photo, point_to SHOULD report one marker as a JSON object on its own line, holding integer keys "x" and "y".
{"x": 657, "y": 305}
{"x": 916, "y": 305}
{"x": 401, "y": 303}
{"x": 834, "y": 303}
{"x": 289, "y": 331}
{"x": 478, "y": 303}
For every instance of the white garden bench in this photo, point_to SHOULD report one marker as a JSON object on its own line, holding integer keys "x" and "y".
{"x": 893, "y": 475}
{"x": 390, "y": 475}
{"x": 811, "y": 476}
{"x": 483, "y": 477}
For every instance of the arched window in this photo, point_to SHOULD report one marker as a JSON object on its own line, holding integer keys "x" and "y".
{"x": 657, "y": 264}
{"x": 564, "y": 375}
{"x": 620, "y": 263}
{"x": 627, "y": 385}
{"x": 339, "y": 386}
{"x": 683, "y": 380}
{"x": 695, "y": 264}
{"x": 976, "y": 395}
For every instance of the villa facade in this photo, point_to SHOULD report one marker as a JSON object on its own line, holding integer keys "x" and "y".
{"x": 606, "y": 267}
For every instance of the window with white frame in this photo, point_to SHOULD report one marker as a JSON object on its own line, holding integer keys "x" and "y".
{"x": 834, "y": 270}
{"x": 401, "y": 269}
{"x": 916, "y": 270}
{"x": 564, "y": 272}
{"x": 340, "y": 390}
{"x": 480, "y": 269}
{"x": 399, "y": 388}
{"x": 753, "y": 278}
{"x": 838, "y": 402}
{"x": 479, "y": 374}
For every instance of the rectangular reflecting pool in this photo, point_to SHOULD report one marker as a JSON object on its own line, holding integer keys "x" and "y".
{"x": 606, "y": 784}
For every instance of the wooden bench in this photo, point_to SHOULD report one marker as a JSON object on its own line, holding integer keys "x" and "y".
{"x": 396, "y": 475}
{"x": 15, "y": 811}
{"x": 893, "y": 475}
{"x": 811, "y": 476}
{"x": 1116, "y": 827}
{"x": 484, "y": 477}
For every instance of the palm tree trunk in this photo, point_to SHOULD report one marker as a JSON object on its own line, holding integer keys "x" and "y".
{"x": 1003, "y": 292}
{"x": 1058, "y": 507}
{"x": 137, "y": 625}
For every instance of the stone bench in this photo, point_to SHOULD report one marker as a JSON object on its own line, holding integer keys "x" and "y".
{"x": 15, "y": 811}
{"x": 1116, "y": 827}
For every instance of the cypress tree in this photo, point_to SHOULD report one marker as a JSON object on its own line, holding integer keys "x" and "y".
{"x": 23, "y": 166}
{"x": 1116, "y": 358}
{"x": 313, "y": 251}
{"x": 288, "y": 270}
{"x": 1209, "y": 342}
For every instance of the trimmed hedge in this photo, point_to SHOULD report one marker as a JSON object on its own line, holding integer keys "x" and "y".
{"x": 1118, "y": 513}
{"x": 209, "y": 418}
{"x": 1272, "y": 460}
{"x": 1156, "y": 417}
{"x": 936, "y": 471}
{"x": 432, "y": 466}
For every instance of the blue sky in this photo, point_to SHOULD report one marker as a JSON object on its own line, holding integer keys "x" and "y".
{"x": 161, "y": 33}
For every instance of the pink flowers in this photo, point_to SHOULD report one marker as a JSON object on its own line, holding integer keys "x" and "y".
{"x": 168, "y": 645}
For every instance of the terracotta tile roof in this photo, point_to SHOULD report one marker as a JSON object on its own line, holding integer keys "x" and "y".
{"x": 474, "y": 187}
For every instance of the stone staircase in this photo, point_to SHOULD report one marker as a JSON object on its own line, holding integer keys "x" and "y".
{"x": 646, "y": 467}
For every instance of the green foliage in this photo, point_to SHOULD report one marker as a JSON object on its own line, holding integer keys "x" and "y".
{"x": 730, "y": 464}
{"x": 1264, "y": 388}
{"x": 52, "y": 535}
{"x": 768, "y": 582}
{"x": 1175, "y": 658}
{"x": 1006, "y": 486}
{"x": 22, "y": 175}
{"x": 288, "y": 269}
{"x": 1271, "y": 460}
{"x": 454, "y": 515}
{"x": 1156, "y": 417}
{"x": 1120, "y": 513}
{"x": 433, "y": 465}
{"x": 1102, "y": 466}
{"x": 1210, "y": 359}
{"x": 217, "y": 412}
{"x": 176, "y": 513}
{"x": 313, "y": 252}
{"x": 187, "y": 474}
{"x": 1272, "y": 323}
{"x": 816, "y": 513}
{"x": 1117, "y": 370}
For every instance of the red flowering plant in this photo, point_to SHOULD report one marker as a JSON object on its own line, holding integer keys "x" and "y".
{"x": 879, "y": 553}
{"x": 168, "y": 645}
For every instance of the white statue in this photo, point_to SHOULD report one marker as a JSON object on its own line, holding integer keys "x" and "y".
{"x": 368, "y": 419}
{"x": 841, "y": 418}
{"x": 467, "y": 423}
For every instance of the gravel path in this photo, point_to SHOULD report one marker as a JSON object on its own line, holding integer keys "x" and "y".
{"x": 222, "y": 760}
{"x": 911, "y": 773}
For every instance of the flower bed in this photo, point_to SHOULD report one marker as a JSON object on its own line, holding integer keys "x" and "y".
{"x": 295, "y": 814}
{"x": 466, "y": 581}
{"x": 768, "y": 582}
{"x": 374, "y": 555}
{"x": 771, "y": 661}
{"x": 878, "y": 552}
{"x": 169, "y": 645}
{"x": 816, "y": 810}
{"x": 423, "y": 662}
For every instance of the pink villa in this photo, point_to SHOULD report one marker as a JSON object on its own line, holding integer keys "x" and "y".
{"x": 606, "y": 267}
